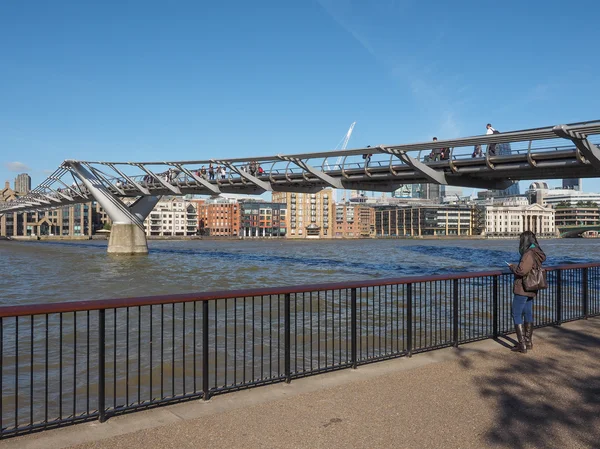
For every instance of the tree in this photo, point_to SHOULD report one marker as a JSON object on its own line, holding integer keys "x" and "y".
{"x": 106, "y": 226}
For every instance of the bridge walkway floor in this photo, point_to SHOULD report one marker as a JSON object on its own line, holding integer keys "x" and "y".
{"x": 480, "y": 395}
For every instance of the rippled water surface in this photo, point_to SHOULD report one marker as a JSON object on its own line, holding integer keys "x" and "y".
{"x": 33, "y": 272}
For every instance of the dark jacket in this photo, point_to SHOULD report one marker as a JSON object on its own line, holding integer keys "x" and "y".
{"x": 531, "y": 258}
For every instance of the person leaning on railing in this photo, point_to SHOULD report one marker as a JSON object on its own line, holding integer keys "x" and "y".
{"x": 532, "y": 256}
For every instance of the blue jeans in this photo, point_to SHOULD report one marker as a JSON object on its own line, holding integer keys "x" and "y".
{"x": 522, "y": 305}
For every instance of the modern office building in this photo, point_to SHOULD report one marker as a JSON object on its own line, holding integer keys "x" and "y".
{"x": 539, "y": 192}
{"x": 22, "y": 184}
{"x": 69, "y": 222}
{"x": 504, "y": 149}
{"x": 431, "y": 192}
{"x": 262, "y": 219}
{"x": 512, "y": 191}
{"x": 572, "y": 184}
{"x": 577, "y": 216}
{"x": 310, "y": 215}
{"x": 451, "y": 193}
{"x": 413, "y": 221}
{"x": 404, "y": 191}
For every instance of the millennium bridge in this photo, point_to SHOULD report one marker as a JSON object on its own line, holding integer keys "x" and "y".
{"x": 128, "y": 191}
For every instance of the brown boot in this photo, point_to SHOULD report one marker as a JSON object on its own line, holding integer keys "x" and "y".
{"x": 528, "y": 335}
{"x": 520, "y": 346}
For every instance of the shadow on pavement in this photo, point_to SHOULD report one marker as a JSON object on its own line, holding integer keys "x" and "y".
{"x": 547, "y": 401}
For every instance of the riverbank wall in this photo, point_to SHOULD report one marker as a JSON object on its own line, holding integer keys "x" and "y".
{"x": 228, "y": 238}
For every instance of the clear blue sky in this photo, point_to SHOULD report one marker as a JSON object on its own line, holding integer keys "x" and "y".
{"x": 150, "y": 80}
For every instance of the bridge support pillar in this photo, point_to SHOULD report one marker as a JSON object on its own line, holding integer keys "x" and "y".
{"x": 127, "y": 235}
{"x": 127, "y": 238}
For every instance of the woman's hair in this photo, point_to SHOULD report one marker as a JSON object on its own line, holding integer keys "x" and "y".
{"x": 527, "y": 239}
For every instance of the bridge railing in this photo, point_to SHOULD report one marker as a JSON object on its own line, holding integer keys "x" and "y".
{"x": 68, "y": 362}
{"x": 356, "y": 162}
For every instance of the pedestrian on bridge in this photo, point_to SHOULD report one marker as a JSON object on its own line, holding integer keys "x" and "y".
{"x": 436, "y": 153}
{"x": 477, "y": 152}
{"x": 367, "y": 158}
{"x": 532, "y": 258}
{"x": 491, "y": 147}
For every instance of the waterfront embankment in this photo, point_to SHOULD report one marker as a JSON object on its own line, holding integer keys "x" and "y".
{"x": 479, "y": 395}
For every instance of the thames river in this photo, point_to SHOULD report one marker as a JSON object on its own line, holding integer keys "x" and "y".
{"x": 35, "y": 272}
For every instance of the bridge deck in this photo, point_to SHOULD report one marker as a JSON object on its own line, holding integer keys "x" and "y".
{"x": 480, "y": 395}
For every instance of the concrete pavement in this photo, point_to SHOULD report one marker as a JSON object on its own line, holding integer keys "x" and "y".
{"x": 480, "y": 395}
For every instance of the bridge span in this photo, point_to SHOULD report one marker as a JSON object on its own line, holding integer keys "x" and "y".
{"x": 577, "y": 230}
{"x": 562, "y": 151}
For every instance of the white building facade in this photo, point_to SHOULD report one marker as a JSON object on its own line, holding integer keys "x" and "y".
{"x": 172, "y": 216}
{"x": 511, "y": 218}
{"x": 553, "y": 197}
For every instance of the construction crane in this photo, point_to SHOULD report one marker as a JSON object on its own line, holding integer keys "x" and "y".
{"x": 344, "y": 143}
{"x": 342, "y": 146}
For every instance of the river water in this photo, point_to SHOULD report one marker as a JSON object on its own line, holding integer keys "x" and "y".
{"x": 49, "y": 364}
{"x": 37, "y": 272}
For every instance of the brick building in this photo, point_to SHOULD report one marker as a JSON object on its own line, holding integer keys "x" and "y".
{"x": 310, "y": 215}
{"x": 219, "y": 217}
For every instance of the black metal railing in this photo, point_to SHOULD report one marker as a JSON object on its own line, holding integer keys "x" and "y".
{"x": 63, "y": 363}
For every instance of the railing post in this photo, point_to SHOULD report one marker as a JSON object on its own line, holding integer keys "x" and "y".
{"x": 101, "y": 366}
{"x": 456, "y": 314}
{"x": 585, "y": 293}
{"x": 495, "y": 317}
{"x": 558, "y": 297}
{"x": 287, "y": 337}
{"x": 353, "y": 326}
{"x": 205, "y": 354}
{"x": 409, "y": 320}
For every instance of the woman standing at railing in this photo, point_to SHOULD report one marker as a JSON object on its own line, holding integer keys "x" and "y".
{"x": 532, "y": 256}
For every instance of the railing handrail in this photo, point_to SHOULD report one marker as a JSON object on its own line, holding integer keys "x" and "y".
{"x": 116, "y": 303}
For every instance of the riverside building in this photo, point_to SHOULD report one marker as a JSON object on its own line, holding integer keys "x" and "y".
{"x": 310, "y": 215}
{"x": 262, "y": 219}
{"x": 353, "y": 221}
{"x": 219, "y": 217}
{"x": 74, "y": 221}
{"x": 539, "y": 192}
{"x": 513, "y": 216}
{"x": 68, "y": 222}
{"x": 577, "y": 216}
{"x": 417, "y": 221}
{"x": 172, "y": 216}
